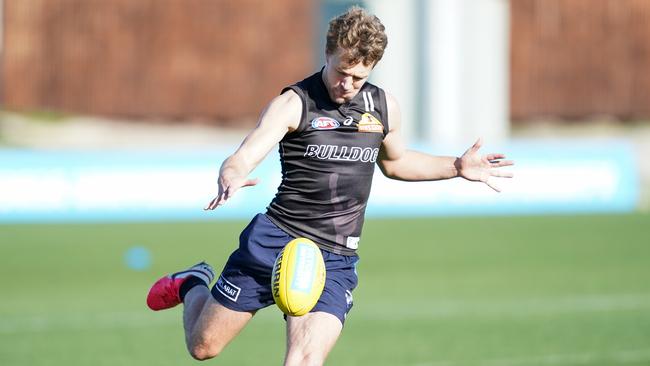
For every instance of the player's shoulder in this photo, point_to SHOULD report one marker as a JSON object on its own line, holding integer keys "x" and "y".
{"x": 390, "y": 98}
{"x": 305, "y": 85}
{"x": 393, "y": 111}
{"x": 288, "y": 99}
{"x": 284, "y": 110}
{"x": 391, "y": 101}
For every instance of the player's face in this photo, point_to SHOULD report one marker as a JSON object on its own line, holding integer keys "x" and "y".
{"x": 344, "y": 81}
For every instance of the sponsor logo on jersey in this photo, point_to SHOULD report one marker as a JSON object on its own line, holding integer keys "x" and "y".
{"x": 370, "y": 123}
{"x": 228, "y": 289}
{"x": 348, "y": 121}
{"x": 342, "y": 153}
{"x": 324, "y": 123}
{"x": 352, "y": 242}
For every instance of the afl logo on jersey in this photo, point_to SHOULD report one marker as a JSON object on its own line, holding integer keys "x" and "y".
{"x": 325, "y": 123}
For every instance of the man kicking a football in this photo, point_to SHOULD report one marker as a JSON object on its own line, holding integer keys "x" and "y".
{"x": 332, "y": 128}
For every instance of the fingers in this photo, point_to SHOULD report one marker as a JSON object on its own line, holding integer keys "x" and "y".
{"x": 477, "y": 145}
{"x": 250, "y": 182}
{"x": 493, "y": 186}
{"x": 227, "y": 192}
{"x": 213, "y": 204}
{"x": 501, "y": 174}
{"x": 499, "y": 164}
{"x": 230, "y": 190}
{"x": 493, "y": 156}
{"x": 495, "y": 161}
{"x": 216, "y": 202}
{"x": 498, "y": 174}
{"x": 474, "y": 148}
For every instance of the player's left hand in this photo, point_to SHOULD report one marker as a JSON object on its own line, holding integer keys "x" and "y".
{"x": 474, "y": 167}
{"x": 227, "y": 188}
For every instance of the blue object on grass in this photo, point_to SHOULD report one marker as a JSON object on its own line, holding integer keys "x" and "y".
{"x": 137, "y": 258}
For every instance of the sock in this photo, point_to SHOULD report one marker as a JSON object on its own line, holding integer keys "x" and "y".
{"x": 189, "y": 284}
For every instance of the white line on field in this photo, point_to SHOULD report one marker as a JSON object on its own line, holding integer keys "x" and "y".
{"x": 617, "y": 358}
{"x": 79, "y": 321}
{"x": 110, "y": 320}
{"x": 416, "y": 310}
{"x": 432, "y": 309}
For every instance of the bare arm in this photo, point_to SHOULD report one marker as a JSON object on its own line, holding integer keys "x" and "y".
{"x": 280, "y": 117}
{"x": 397, "y": 162}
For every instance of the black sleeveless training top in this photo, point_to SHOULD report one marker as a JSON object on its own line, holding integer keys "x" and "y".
{"x": 327, "y": 165}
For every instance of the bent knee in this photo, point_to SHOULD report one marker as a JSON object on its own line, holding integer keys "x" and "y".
{"x": 202, "y": 352}
{"x": 304, "y": 359}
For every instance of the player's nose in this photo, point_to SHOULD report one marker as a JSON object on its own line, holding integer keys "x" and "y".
{"x": 346, "y": 83}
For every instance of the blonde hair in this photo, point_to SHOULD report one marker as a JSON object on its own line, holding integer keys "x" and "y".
{"x": 359, "y": 35}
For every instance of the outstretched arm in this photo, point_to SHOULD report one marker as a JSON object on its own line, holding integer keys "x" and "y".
{"x": 397, "y": 162}
{"x": 281, "y": 116}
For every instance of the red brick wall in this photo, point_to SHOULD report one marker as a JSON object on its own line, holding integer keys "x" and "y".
{"x": 578, "y": 59}
{"x": 220, "y": 60}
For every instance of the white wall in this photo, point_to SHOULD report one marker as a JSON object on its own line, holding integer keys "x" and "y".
{"x": 468, "y": 83}
{"x": 396, "y": 72}
{"x": 460, "y": 89}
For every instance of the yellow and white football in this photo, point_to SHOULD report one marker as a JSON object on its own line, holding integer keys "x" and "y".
{"x": 298, "y": 277}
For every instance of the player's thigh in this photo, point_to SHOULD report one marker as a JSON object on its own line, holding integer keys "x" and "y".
{"x": 217, "y": 326}
{"x": 311, "y": 337}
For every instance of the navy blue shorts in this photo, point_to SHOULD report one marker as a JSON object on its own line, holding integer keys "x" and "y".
{"x": 245, "y": 282}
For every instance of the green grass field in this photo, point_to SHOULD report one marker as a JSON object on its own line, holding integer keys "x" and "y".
{"x": 555, "y": 290}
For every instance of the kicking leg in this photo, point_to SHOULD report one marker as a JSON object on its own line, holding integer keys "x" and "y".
{"x": 209, "y": 326}
{"x": 310, "y": 338}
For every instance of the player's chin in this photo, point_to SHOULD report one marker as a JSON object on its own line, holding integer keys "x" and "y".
{"x": 344, "y": 99}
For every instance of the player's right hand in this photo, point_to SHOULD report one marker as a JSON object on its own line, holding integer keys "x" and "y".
{"x": 227, "y": 189}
